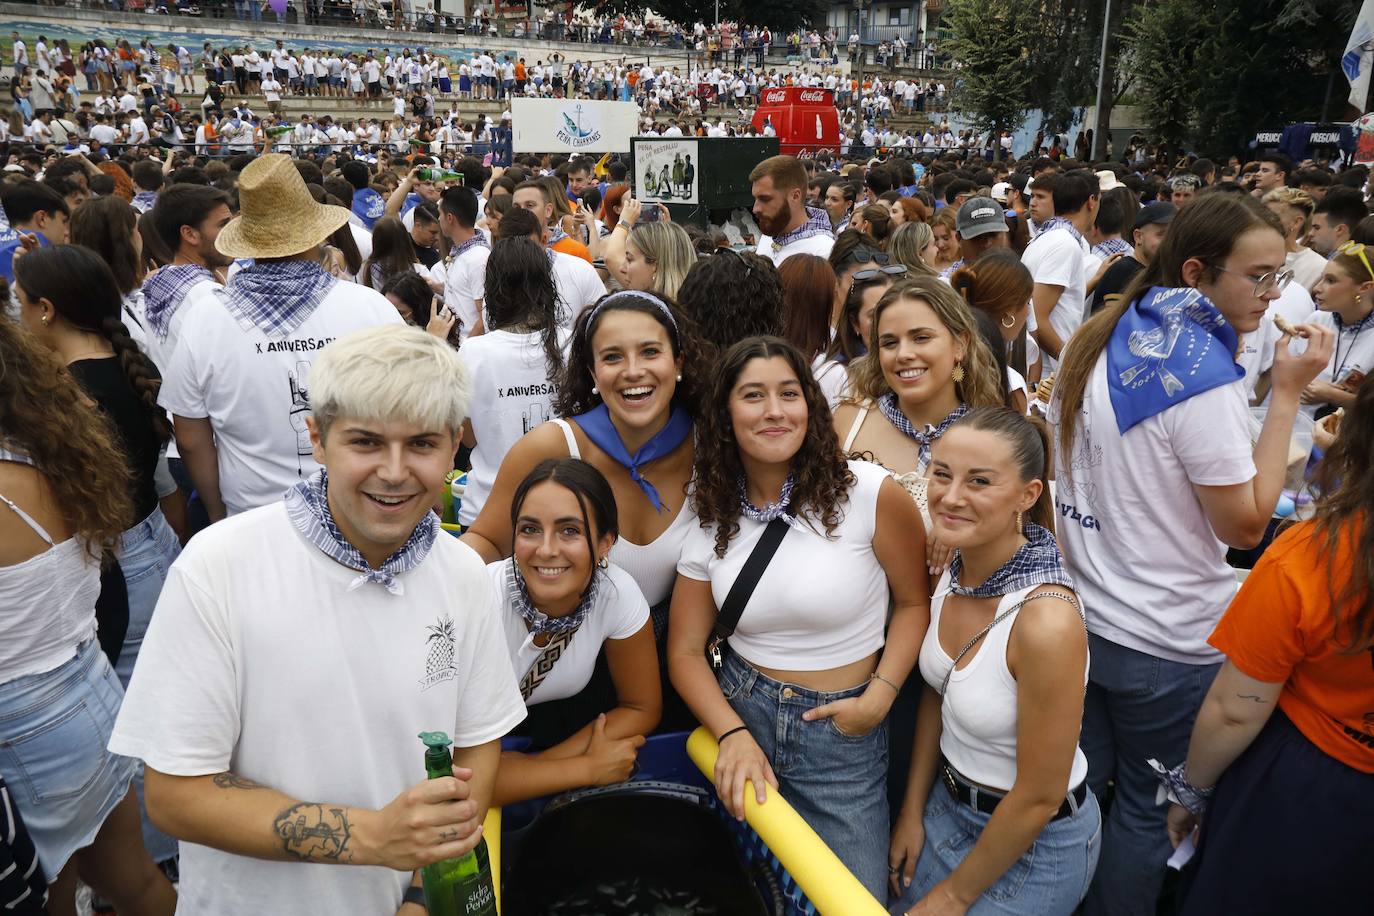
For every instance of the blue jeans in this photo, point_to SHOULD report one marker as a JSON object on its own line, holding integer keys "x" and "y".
{"x": 53, "y": 730}
{"x": 837, "y": 783}
{"x": 146, "y": 553}
{"x": 1137, "y": 707}
{"x": 1048, "y": 880}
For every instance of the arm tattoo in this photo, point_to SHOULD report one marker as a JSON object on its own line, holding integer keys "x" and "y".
{"x": 1249, "y": 696}
{"x": 234, "y": 781}
{"x": 315, "y": 833}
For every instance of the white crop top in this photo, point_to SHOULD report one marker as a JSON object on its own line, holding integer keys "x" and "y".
{"x": 653, "y": 565}
{"x": 48, "y": 600}
{"x": 822, "y": 602}
{"x": 978, "y": 716}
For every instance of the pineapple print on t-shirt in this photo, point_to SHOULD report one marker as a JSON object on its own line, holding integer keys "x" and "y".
{"x": 439, "y": 661}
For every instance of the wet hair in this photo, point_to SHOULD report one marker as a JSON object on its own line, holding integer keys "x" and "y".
{"x": 520, "y": 292}
{"x": 1030, "y": 449}
{"x": 575, "y": 393}
{"x": 82, "y": 289}
{"x": 586, "y": 484}
{"x": 1206, "y": 230}
{"x": 106, "y": 225}
{"x": 980, "y": 387}
{"x": 808, "y": 294}
{"x": 820, "y": 475}
{"x": 45, "y": 415}
{"x": 731, "y": 295}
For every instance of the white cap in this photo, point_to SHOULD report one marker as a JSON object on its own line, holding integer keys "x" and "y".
{"x": 999, "y": 191}
{"x": 1106, "y": 180}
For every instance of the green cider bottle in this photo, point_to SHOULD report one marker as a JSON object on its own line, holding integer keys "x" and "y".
{"x": 440, "y": 175}
{"x": 461, "y": 886}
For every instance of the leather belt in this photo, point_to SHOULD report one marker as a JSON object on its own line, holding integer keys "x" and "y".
{"x": 986, "y": 801}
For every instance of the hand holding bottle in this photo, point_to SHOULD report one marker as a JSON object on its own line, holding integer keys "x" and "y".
{"x": 429, "y": 822}
{"x": 609, "y": 759}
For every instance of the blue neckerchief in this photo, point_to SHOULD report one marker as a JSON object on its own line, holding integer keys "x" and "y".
{"x": 1110, "y": 247}
{"x": 949, "y": 271}
{"x": 1170, "y": 344}
{"x": 1059, "y": 222}
{"x": 596, "y": 423}
{"x": 817, "y": 223}
{"x": 276, "y": 296}
{"x": 144, "y": 200}
{"x": 410, "y": 203}
{"x": 164, "y": 291}
{"x": 924, "y": 438}
{"x": 368, "y": 206}
{"x": 1036, "y": 562}
{"x": 540, "y": 624}
{"x": 7, "y": 232}
{"x": 307, "y": 505}
{"x": 477, "y": 241}
{"x": 780, "y": 509}
{"x": 556, "y": 235}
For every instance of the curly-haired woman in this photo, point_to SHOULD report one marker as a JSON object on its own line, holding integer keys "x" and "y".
{"x": 801, "y": 700}
{"x": 62, "y": 502}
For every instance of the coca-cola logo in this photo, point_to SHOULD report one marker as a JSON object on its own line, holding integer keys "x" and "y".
{"x": 775, "y": 96}
{"x": 813, "y": 95}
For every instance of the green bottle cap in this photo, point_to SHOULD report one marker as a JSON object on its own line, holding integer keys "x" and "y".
{"x": 436, "y": 741}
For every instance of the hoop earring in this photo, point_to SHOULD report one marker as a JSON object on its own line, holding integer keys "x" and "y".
{"x": 958, "y": 374}
{"x": 1008, "y": 320}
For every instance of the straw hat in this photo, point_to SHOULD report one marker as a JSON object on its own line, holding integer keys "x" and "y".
{"x": 277, "y": 216}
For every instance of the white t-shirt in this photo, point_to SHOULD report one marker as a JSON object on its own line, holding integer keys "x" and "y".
{"x": 1307, "y": 267}
{"x": 578, "y": 283}
{"x": 465, "y": 280}
{"x": 255, "y": 390}
{"x": 261, "y": 661}
{"x": 513, "y": 392}
{"x": 1257, "y": 347}
{"x": 618, "y": 612}
{"x": 1151, "y": 573}
{"x": 822, "y": 602}
{"x": 160, "y": 349}
{"x": 271, "y": 90}
{"x": 815, "y": 244}
{"x": 1056, "y": 258}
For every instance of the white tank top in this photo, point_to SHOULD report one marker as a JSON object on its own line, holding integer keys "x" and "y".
{"x": 914, "y": 482}
{"x": 48, "y": 601}
{"x": 978, "y": 715}
{"x": 653, "y": 566}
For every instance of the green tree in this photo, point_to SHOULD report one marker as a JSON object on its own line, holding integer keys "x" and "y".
{"x": 989, "y": 39}
{"x": 1163, "y": 43}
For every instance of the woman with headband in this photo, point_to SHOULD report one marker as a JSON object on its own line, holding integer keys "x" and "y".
{"x": 627, "y": 402}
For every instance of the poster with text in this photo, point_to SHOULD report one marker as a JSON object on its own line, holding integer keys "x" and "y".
{"x": 572, "y": 125}
{"x": 666, "y": 171}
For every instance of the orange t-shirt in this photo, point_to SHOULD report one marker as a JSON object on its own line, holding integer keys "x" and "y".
{"x": 1280, "y": 628}
{"x": 520, "y": 72}
{"x": 570, "y": 245}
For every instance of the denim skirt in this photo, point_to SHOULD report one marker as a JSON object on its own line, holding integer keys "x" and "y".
{"x": 53, "y": 730}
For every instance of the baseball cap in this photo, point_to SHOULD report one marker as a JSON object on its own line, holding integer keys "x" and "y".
{"x": 1106, "y": 180}
{"x": 999, "y": 191}
{"x": 979, "y": 216}
{"x": 1155, "y": 214}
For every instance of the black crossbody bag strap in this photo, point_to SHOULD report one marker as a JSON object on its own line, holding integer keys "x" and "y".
{"x": 743, "y": 588}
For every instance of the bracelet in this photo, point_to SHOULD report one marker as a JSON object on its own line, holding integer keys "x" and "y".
{"x": 1175, "y": 787}
{"x": 737, "y": 728}
{"x": 875, "y": 676}
{"x": 621, "y": 226}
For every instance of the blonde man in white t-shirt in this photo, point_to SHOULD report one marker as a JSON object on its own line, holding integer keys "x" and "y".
{"x": 356, "y": 623}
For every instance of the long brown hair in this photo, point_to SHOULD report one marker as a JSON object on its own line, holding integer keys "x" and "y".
{"x": 980, "y": 387}
{"x": 820, "y": 475}
{"x": 1345, "y": 512}
{"x": 45, "y": 415}
{"x": 808, "y": 292}
{"x": 1206, "y": 230}
{"x": 106, "y": 225}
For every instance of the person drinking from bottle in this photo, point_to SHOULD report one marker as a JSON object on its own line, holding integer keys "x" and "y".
{"x": 298, "y": 648}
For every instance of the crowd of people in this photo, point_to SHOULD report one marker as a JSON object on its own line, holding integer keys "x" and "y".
{"x": 924, "y": 486}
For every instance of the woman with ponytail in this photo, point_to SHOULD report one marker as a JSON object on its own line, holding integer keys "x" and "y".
{"x": 1156, "y": 474}
{"x": 69, "y": 298}
{"x": 1000, "y": 286}
{"x": 996, "y": 759}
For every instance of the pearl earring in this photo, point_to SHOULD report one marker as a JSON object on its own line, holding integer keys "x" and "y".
{"x": 594, "y": 391}
{"x": 679, "y": 376}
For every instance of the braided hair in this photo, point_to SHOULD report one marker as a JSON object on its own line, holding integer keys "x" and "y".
{"x": 83, "y": 290}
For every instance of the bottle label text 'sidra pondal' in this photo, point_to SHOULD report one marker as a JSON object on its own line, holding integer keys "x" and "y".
{"x": 474, "y": 896}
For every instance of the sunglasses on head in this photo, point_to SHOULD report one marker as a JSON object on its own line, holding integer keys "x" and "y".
{"x": 892, "y": 270}
{"x": 1356, "y": 250}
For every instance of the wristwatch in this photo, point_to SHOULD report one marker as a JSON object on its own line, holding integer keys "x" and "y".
{"x": 415, "y": 895}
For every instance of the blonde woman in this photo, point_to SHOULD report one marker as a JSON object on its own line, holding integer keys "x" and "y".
{"x": 651, "y": 257}
{"x": 913, "y": 246}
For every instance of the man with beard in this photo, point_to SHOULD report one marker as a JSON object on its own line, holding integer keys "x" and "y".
{"x": 187, "y": 218}
{"x": 788, "y": 227}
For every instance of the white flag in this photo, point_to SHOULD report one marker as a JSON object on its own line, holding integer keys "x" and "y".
{"x": 1358, "y": 59}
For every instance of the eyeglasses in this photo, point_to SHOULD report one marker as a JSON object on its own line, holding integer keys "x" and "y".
{"x": 1356, "y": 250}
{"x": 873, "y": 273}
{"x": 748, "y": 268}
{"x": 1274, "y": 280}
{"x": 863, "y": 254}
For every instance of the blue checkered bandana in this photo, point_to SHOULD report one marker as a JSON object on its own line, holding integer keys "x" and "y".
{"x": 556, "y": 235}
{"x": 540, "y": 624}
{"x": 779, "y": 509}
{"x": 276, "y": 296}
{"x": 923, "y": 437}
{"x": 817, "y": 223}
{"x": 307, "y": 505}
{"x": 477, "y": 241}
{"x": 1037, "y": 562}
{"x": 1110, "y": 247}
{"x": 164, "y": 291}
{"x": 1059, "y": 222}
